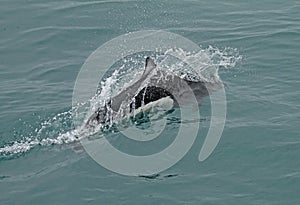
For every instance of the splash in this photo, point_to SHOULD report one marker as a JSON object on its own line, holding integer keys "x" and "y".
{"x": 50, "y": 132}
{"x": 201, "y": 66}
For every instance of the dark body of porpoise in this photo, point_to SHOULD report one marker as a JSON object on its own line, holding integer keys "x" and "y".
{"x": 153, "y": 86}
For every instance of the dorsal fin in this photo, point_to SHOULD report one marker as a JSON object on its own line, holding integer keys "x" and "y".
{"x": 149, "y": 65}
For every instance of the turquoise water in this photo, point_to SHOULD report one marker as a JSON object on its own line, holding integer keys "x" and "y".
{"x": 43, "y": 46}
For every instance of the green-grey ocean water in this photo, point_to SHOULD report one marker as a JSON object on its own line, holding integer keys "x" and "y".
{"x": 43, "y": 45}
